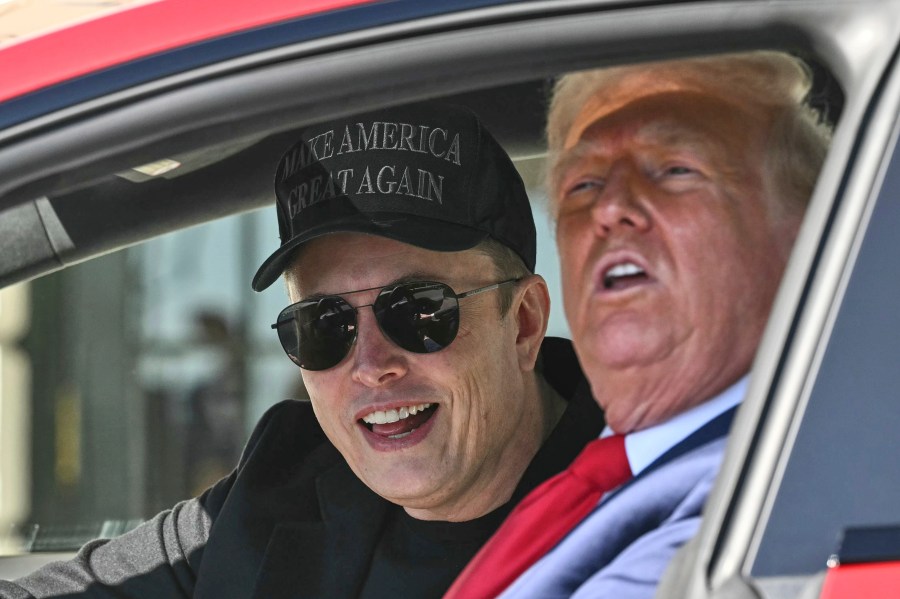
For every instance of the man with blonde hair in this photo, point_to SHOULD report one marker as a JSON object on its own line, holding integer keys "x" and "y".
{"x": 677, "y": 188}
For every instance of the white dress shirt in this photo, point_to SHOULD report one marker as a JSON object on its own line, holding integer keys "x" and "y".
{"x": 655, "y": 518}
{"x": 646, "y": 446}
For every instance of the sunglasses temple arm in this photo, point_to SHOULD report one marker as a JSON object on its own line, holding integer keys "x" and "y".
{"x": 488, "y": 288}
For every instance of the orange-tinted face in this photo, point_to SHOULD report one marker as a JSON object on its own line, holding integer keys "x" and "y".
{"x": 669, "y": 248}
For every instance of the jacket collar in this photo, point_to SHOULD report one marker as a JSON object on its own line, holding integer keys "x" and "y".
{"x": 325, "y": 556}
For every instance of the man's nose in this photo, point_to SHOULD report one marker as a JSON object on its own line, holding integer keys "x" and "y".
{"x": 622, "y": 202}
{"x": 376, "y": 359}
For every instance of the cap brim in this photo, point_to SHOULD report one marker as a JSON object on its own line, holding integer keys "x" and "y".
{"x": 422, "y": 232}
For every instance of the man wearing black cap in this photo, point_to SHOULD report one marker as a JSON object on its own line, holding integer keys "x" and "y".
{"x": 408, "y": 250}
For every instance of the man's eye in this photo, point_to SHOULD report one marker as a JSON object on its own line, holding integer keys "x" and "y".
{"x": 677, "y": 170}
{"x": 587, "y": 185}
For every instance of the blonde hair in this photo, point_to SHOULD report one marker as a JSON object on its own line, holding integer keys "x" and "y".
{"x": 774, "y": 82}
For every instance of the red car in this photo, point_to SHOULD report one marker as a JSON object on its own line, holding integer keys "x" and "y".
{"x": 143, "y": 122}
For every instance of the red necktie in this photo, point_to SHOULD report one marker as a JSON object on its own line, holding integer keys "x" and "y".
{"x": 543, "y": 518}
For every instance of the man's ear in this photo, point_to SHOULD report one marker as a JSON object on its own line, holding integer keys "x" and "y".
{"x": 531, "y": 311}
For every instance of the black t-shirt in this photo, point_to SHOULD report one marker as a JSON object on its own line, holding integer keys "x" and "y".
{"x": 421, "y": 558}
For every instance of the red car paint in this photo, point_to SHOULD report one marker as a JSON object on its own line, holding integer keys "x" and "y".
{"x": 858, "y": 581}
{"x": 138, "y": 31}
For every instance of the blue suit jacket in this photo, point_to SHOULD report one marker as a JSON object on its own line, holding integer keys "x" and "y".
{"x": 622, "y": 548}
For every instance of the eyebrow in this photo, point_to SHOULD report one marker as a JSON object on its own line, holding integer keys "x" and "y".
{"x": 564, "y": 160}
{"x": 660, "y": 132}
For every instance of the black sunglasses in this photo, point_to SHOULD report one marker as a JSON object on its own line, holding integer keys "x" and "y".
{"x": 421, "y": 317}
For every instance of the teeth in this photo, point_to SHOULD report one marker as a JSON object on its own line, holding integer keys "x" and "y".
{"x": 386, "y": 417}
{"x": 624, "y": 270}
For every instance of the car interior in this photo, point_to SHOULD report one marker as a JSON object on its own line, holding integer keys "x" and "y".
{"x": 159, "y": 196}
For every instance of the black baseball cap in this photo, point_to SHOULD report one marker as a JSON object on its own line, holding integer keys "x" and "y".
{"x": 429, "y": 175}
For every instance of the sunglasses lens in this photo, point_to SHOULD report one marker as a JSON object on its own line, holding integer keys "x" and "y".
{"x": 317, "y": 334}
{"x": 419, "y": 317}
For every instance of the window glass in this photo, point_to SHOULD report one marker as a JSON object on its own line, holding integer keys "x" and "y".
{"x": 843, "y": 470}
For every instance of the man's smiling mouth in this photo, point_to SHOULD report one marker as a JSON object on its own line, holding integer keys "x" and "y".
{"x": 398, "y": 423}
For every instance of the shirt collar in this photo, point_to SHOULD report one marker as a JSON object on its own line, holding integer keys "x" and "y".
{"x": 645, "y": 446}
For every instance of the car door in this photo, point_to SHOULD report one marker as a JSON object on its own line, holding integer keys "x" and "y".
{"x": 806, "y": 500}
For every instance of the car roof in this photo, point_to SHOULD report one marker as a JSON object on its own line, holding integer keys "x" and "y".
{"x": 146, "y": 41}
{"x": 136, "y": 32}
{"x": 71, "y": 100}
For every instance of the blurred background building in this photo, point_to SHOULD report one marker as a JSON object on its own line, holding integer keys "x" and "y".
{"x": 19, "y": 18}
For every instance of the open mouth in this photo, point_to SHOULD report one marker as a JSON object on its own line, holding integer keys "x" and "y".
{"x": 400, "y": 422}
{"x": 623, "y": 276}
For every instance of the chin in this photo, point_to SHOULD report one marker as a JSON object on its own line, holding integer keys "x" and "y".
{"x": 628, "y": 418}
{"x": 408, "y": 492}
{"x": 628, "y": 344}
{"x": 606, "y": 359}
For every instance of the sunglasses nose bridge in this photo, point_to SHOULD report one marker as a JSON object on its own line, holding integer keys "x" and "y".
{"x": 368, "y": 327}
{"x": 375, "y": 359}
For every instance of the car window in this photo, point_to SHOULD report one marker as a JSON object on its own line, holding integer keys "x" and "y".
{"x": 846, "y": 446}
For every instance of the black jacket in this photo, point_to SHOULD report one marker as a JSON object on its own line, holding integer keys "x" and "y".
{"x": 292, "y": 520}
